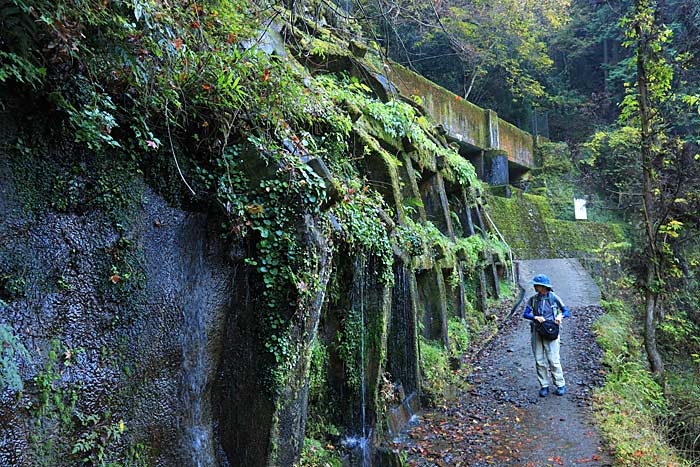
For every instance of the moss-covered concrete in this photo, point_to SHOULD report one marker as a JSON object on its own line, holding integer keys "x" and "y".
{"x": 530, "y": 229}
{"x": 464, "y": 121}
{"x": 200, "y": 379}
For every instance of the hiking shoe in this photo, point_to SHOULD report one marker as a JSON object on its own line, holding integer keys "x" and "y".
{"x": 560, "y": 391}
{"x": 544, "y": 392}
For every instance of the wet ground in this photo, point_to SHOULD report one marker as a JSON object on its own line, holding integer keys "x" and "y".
{"x": 500, "y": 420}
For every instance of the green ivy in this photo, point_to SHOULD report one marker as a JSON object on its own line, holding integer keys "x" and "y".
{"x": 12, "y": 352}
{"x": 349, "y": 340}
{"x": 359, "y": 215}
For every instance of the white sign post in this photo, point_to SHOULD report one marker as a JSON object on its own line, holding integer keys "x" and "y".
{"x": 580, "y": 209}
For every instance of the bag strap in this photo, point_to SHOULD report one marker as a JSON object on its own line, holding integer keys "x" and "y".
{"x": 551, "y": 298}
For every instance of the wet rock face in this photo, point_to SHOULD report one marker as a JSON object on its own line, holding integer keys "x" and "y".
{"x": 123, "y": 321}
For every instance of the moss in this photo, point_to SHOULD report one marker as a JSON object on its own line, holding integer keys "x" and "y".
{"x": 435, "y": 367}
{"x": 465, "y": 120}
{"x": 521, "y": 221}
{"x": 581, "y": 238}
{"x": 527, "y": 222}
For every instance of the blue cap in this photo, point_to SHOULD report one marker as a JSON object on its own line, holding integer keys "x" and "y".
{"x": 541, "y": 279}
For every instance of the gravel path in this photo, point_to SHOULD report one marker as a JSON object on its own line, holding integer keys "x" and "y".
{"x": 500, "y": 420}
{"x": 570, "y": 280}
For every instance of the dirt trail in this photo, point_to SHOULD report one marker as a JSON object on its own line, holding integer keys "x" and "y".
{"x": 500, "y": 420}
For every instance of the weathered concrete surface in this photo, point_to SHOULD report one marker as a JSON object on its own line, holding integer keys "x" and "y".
{"x": 480, "y": 129}
{"x": 570, "y": 280}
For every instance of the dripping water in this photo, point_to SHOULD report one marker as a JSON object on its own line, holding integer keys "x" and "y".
{"x": 363, "y": 285}
{"x": 196, "y": 430}
{"x": 360, "y": 444}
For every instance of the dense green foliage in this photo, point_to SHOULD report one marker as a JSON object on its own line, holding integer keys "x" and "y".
{"x": 631, "y": 404}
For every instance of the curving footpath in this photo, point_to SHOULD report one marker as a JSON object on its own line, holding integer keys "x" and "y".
{"x": 500, "y": 420}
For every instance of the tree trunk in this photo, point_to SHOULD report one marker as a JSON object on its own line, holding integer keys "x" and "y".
{"x": 653, "y": 258}
{"x": 656, "y": 363}
{"x": 606, "y": 62}
{"x": 468, "y": 90}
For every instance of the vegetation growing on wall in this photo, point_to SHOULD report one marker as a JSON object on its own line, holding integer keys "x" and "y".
{"x": 12, "y": 353}
{"x": 193, "y": 94}
{"x": 64, "y": 430}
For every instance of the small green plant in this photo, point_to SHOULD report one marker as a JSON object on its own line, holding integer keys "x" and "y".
{"x": 64, "y": 283}
{"x": 12, "y": 286}
{"x": 13, "y": 66}
{"x": 459, "y": 335}
{"x": 98, "y": 433}
{"x": 12, "y": 352}
{"x": 316, "y": 454}
{"x": 435, "y": 368}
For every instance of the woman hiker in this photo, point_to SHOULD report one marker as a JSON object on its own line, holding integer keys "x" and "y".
{"x": 545, "y": 305}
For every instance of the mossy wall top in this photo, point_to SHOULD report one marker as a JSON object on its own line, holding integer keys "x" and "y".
{"x": 465, "y": 121}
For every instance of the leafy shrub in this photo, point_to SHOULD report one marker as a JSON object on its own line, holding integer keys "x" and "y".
{"x": 631, "y": 402}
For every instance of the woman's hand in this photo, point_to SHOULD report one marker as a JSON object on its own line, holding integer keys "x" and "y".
{"x": 558, "y": 319}
{"x": 539, "y": 319}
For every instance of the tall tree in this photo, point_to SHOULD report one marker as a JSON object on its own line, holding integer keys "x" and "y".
{"x": 647, "y": 46}
{"x": 667, "y": 190}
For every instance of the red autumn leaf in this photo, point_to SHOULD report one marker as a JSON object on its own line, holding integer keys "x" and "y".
{"x": 115, "y": 278}
{"x": 195, "y": 24}
{"x": 266, "y": 75}
{"x": 596, "y": 457}
{"x": 206, "y": 87}
{"x": 177, "y": 43}
{"x": 231, "y": 38}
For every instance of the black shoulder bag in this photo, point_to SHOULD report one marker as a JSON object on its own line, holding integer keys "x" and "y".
{"x": 549, "y": 330}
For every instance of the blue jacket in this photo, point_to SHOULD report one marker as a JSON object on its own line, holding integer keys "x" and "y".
{"x": 547, "y": 306}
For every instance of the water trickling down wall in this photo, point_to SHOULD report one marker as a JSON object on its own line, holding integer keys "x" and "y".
{"x": 144, "y": 316}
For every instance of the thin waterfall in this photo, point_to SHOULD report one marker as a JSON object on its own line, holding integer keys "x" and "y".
{"x": 401, "y": 342}
{"x": 363, "y": 285}
{"x": 361, "y": 444}
{"x": 196, "y": 429}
